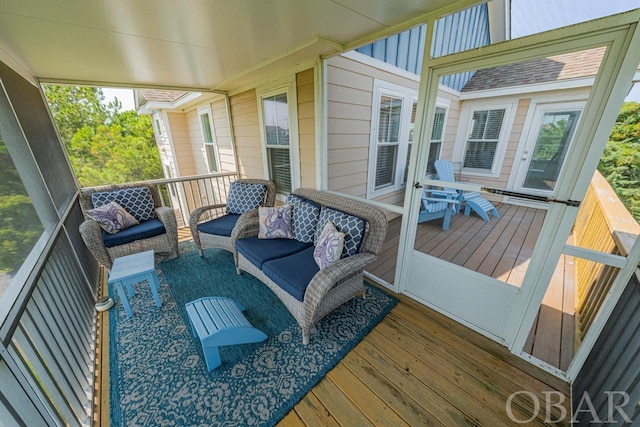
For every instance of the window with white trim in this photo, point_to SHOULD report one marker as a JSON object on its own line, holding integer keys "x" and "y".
{"x": 392, "y": 125}
{"x": 279, "y": 136}
{"x": 209, "y": 140}
{"x": 158, "y": 125}
{"x": 437, "y": 135}
{"x": 412, "y": 126}
{"x": 482, "y": 140}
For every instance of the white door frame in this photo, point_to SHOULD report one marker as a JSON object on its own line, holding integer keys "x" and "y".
{"x": 618, "y": 33}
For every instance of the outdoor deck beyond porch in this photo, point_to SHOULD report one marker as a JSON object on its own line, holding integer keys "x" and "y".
{"x": 500, "y": 248}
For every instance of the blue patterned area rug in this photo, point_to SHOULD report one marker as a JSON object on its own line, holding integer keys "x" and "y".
{"x": 158, "y": 376}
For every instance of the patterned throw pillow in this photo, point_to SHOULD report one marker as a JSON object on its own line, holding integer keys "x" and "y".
{"x": 245, "y": 197}
{"x": 329, "y": 246}
{"x": 137, "y": 201}
{"x": 112, "y": 217}
{"x": 275, "y": 222}
{"x": 304, "y": 218}
{"x": 352, "y": 226}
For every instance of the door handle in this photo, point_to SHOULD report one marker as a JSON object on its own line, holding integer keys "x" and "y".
{"x": 417, "y": 186}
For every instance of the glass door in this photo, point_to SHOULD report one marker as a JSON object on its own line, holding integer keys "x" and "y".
{"x": 545, "y": 148}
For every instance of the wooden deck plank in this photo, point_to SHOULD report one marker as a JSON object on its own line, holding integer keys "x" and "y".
{"x": 477, "y": 258}
{"x": 516, "y": 276}
{"x": 291, "y": 420}
{"x": 471, "y": 247}
{"x": 374, "y": 408}
{"x": 452, "y": 383}
{"x": 339, "y": 404}
{"x": 512, "y": 250}
{"x": 313, "y": 413}
{"x": 418, "y": 404}
{"x": 501, "y": 245}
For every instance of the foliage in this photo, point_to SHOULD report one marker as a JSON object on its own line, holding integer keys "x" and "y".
{"x": 20, "y": 226}
{"x": 620, "y": 163}
{"x": 105, "y": 145}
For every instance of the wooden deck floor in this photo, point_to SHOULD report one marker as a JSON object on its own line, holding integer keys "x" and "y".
{"x": 500, "y": 248}
{"x": 417, "y": 367}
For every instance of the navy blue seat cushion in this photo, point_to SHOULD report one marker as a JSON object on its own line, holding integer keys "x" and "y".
{"x": 259, "y": 251}
{"x": 144, "y": 230}
{"x": 221, "y": 226}
{"x": 293, "y": 273}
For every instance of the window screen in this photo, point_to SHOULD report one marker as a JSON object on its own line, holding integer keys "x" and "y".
{"x": 483, "y": 139}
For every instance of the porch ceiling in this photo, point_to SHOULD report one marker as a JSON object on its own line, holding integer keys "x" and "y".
{"x": 183, "y": 43}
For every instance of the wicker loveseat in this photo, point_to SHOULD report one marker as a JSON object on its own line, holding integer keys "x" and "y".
{"x": 288, "y": 268}
{"x": 159, "y": 232}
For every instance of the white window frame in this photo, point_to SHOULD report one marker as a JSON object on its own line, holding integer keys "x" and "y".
{"x": 407, "y": 95}
{"x": 294, "y": 154}
{"x": 157, "y": 121}
{"x": 202, "y": 111}
{"x": 445, "y": 105}
{"x": 464, "y": 128}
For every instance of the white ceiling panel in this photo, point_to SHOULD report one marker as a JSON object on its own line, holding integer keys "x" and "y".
{"x": 182, "y": 43}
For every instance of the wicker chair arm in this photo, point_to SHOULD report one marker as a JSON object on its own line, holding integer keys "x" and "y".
{"x": 167, "y": 216}
{"x": 247, "y": 226}
{"x": 91, "y": 234}
{"x": 329, "y": 276}
{"x": 194, "y": 219}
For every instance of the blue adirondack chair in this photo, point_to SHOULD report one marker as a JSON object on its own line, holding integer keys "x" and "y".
{"x": 472, "y": 200}
{"x": 438, "y": 207}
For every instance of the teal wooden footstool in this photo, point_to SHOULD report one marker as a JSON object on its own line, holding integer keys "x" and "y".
{"x": 219, "y": 321}
{"x": 131, "y": 269}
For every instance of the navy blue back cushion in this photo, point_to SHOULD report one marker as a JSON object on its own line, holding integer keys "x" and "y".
{"x": 305, "y": 214}
{"x": 137, "y": 201}
{"x": 293, "y": 273}
{"x": 221, "y": 226}
{"x": 244, "y": 197}
{"x": 352, "y": 226}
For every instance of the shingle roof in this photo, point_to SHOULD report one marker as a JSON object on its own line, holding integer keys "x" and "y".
{"x": 158, "y": 95}
{"x": 554, "y": 68}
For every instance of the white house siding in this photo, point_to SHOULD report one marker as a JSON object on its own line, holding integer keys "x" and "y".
{"x": 246, "y": 129}
{"x": 223, "y": 136}
{"x": 196, "y": 145}
{"x": 451, "y": 126}
{"x": 306, "y": 128}
{"x": 350, "y": 100}
{"x": 181, "y": 136}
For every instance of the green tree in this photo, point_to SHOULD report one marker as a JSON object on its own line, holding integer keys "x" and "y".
{"x": 105, "y": 145}
{"x": 620, "y": 163}
{"x": 20, "y": 226}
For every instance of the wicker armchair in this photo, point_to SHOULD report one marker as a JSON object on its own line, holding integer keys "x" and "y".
{"x": 333, "y": 285}
{"x": 222, "y": 238}
{"x": 92, "y": 233}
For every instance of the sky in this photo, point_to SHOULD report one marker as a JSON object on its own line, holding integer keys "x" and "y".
{"x": 527, "y": 17}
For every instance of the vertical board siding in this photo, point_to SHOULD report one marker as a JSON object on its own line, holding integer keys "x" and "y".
{"x": 467, "y": 29}
{"x": 246, "y": 129}
{"x": 306, "y": 128}
{"x": 612, "y": 366}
